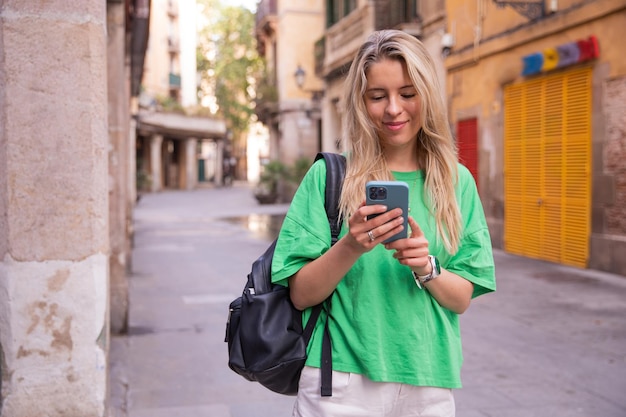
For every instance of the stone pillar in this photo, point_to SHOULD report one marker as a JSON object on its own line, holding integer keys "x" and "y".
{"x": 156, "y": 165}
{"x": 54, "y": 212}
{"x": 191, "y": 163}
{"x": 119, "y": 110}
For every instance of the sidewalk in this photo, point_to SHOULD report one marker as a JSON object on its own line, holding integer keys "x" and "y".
{"x": 550, "y": 342}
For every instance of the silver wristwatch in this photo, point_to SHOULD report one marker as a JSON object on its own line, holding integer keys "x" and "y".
{"x": 420, "y": 280}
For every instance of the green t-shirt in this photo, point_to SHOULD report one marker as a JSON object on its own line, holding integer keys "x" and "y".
{"x": 382, "y": 326}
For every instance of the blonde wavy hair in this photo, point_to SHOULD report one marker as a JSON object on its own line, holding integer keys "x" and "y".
{"x": 436, "y": 152}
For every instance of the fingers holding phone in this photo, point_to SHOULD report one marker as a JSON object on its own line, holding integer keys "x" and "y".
{"x": 414, "y": 250}
{"x": 371, "y": 224}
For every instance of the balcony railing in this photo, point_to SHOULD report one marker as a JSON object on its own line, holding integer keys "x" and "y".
{"x": 172, "y": 8}
{"x": 172, "y": 45}
{"x": 265, "y": 9}
{"x": 265, "y": 19}
{"x": 266, "y": 101}
{"x": 398, "y": 14}
{"x": 345, "y": 36}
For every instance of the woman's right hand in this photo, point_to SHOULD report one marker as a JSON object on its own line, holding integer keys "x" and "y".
{"x": 315, "y": 281}
{"x": 364, "y": 234}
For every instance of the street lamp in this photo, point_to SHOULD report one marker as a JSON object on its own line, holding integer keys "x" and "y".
{"x": 300, "y": 76}
{"x": 313, "y": 112}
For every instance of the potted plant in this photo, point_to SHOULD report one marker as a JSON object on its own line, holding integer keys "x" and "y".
{"x": 266, "y": 192}
{"x": 294, "y": 176}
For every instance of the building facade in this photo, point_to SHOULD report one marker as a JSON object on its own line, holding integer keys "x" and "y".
{"x": 537, "y": 99}
{"x": 177, "y": 145}
{"x": 290, "y": 101}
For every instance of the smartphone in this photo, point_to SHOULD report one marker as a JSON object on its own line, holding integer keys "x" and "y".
{"x": 392, "y": 194}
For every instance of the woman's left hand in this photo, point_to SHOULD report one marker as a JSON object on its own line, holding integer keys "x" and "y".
{"x": 412, "y": 251}
{"x": 450, "y": 290}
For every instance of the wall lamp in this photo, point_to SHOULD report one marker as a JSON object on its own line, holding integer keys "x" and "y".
{"x": 300, "y": 76}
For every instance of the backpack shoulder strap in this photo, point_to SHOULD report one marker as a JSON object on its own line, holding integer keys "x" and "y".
{"x": 260, "y": 277}
{"x": 335, "y": 173}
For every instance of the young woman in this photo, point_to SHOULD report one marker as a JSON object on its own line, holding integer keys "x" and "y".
{"x": 393, "y": 320}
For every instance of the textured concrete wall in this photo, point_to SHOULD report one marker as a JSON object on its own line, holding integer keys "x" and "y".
{"x": 608, "y": 242}
{"x": 54, "y": 240}
{"x": 615, "y": 153}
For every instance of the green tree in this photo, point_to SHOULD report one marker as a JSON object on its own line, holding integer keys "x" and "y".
{"x": 228, "y": 62}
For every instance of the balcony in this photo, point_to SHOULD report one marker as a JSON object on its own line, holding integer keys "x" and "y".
{"x": 343, "y": 39}
{"x": 174, "y": 81}
{"x": 399, "y": 14}
{"x": 334, "y": 51}
{"x": 173, "y": 45}
{"x": 265, "y": 10}
{"x": 172, "y": 8}
{"x": 266, "y": 102}
{"x": 265, "y": 23}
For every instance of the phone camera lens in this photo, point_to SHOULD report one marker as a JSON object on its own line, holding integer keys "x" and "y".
{"x": 377, "y": 193}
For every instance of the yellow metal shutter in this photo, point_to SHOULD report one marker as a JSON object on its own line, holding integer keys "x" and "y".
{"x": 547, "y": 158}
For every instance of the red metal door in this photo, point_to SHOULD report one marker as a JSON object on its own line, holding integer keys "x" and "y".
{"x": 467, "y": 144}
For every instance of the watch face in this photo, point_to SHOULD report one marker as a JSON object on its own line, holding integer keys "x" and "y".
{"x": 436, "y": 266}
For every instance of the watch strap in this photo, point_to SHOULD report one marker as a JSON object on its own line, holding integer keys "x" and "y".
{"x": 420, "y": 280}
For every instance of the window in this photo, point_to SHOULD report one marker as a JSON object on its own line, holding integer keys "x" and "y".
{"x": 337, "y": 10}
{"x": 402, "y": 11}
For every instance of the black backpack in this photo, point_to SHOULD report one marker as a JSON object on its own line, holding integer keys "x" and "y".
{"x": 266, "y": 341}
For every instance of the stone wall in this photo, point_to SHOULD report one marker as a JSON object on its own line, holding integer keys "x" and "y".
{"x": 54, "y": 239}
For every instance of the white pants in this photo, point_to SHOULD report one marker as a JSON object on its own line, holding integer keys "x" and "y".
{"x": 356, "y": 396}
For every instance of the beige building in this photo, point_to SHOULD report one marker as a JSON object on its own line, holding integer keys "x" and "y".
{"x": 170, "y": 63}
{"x": 537, "y": 94}
{"x": 290, "y": 107}
{"x": 176, "y": 146}
{"x": 536, "y": 100}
